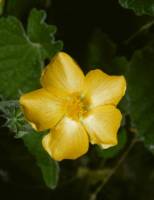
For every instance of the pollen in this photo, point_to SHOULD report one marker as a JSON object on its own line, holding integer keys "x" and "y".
{"x": 77, "y": 106}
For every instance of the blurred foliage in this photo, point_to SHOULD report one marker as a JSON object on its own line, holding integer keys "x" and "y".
{"x": 118, "y": 43}
{"x": 101, "y": 51}
{"x": 140, "y": 96}
{"x": 2, "y": 3}
{"x": 140, "y": 7}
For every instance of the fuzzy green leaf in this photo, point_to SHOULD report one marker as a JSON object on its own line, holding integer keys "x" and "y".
{"x": 49, "y": 167}
{"x": 22, "y": 54}
{"x": 140, "y": 7}
{"x": 140, "y": 93}
{"x": 42, "y": 34}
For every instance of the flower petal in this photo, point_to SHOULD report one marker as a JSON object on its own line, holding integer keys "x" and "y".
{"x": 68, "y": 140}
{"x": 102, "y": 124}
{"x": 106, "y": 146}
{"x": 63, "y": 74}
{"x": 102, "y": 89}
{"x": 42, "y": 109}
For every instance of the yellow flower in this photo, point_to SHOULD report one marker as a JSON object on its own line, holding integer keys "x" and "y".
{"x": 77, "y": 109}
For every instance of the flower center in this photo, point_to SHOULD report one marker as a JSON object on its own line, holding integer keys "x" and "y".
{"x": 77, "y": 106}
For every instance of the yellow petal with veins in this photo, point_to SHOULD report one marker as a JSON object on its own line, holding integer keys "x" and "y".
{"x": 102, "y": 124}
{"x": 102, "y": 89}
{"x": 62, "y": 75}
{"x": 68, "y": 140}
{"x": 42, "y": 109}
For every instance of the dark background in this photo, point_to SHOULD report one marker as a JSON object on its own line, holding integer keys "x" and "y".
{"x": 76, "y": 20}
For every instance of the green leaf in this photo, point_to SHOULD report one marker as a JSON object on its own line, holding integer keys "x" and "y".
{"x": 119, "y": 65}
{"x": 49, "y": 167}
{"x": 140, "y": 78}
{"x": 140, "y": 7}
{"x": 113, "y": 151}
{"x": 22, "y": 55}
{"x": 101, "y": 51}
{"x": 42, "y": 34}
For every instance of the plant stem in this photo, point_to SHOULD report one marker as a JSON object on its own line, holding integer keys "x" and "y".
{"x": 93, "y": 196}
{"x": 145, "y": 27}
